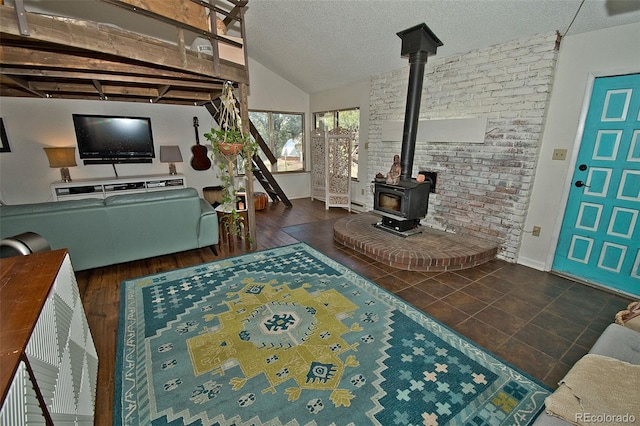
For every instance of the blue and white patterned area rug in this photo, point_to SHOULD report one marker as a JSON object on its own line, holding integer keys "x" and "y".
{"x": 288, "y": 336}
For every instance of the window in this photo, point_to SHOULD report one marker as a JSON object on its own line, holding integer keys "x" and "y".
{"x": 283, "y": 133}
{"x": 346, "y": 118}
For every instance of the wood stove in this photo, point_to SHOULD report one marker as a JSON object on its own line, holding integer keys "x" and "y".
{"x": 404, "y": 204}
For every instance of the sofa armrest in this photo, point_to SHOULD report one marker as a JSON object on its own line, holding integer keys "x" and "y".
{"x": 618, "y": 342}
{"x": 208, "y": 225}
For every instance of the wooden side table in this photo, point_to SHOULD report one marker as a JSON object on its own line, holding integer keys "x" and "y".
{"x": 224, "y": 223}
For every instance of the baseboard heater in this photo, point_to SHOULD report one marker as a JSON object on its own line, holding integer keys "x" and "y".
{"x": 358, "y": 206}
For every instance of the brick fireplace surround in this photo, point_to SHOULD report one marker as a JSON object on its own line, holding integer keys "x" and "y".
{"x": 483, "y": 188}
{"x": 430, "y": 250}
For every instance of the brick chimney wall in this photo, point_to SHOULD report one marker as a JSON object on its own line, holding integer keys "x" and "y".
{"x": 482, "y": 189}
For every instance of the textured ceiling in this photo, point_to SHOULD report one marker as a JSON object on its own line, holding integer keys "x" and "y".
{"x": 323, "y": 44}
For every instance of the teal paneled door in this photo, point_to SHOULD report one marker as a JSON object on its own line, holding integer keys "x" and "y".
{"x": 599, "y": 240}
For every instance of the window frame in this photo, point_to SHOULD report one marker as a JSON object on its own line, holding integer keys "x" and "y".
{"x": 336, "y": 118}
{"x": 270, "y": 138}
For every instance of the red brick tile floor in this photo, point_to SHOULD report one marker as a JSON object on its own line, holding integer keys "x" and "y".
{"x": 537, "y": 321}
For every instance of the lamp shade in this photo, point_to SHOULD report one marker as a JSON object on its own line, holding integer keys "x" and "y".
{"x": 170, "y": 154}
{"x": 61, "y": 156}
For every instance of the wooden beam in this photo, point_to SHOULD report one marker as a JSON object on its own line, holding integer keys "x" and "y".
{"x": 239, "y": 3}
{"x": 186, "y": 95}
{"x": 152, "y": 94}
{"x": 21, "y": 17}
{"x": 174, "y": 12}
{"x": 105, "y": 39}
{"x": 132, "y": 79}
{"x": 30, "y": 58}
{"x": 25, "y": 85}
{"x": 98, "y": 87}
{"x": 233, "y": 15}
{"x": 149, "y": 9}
{"x": 182, "y": 47}
{"x": 161, "y": 92}
{"x": 51, "y": 87}
{"x": 248, "y": 170}
{"x": 245, "y": 52}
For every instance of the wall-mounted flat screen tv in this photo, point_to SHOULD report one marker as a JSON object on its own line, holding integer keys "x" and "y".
{"x": 104, "y": 139}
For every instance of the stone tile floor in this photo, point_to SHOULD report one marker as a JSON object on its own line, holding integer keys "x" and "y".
{"x": 537, "y": 321}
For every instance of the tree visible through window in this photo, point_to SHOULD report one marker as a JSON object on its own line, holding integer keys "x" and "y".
{"x": 347, "y": 119}
{"x": 284, "y": 134}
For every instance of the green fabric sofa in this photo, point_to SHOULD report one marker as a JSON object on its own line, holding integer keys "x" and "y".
{"x": 99, "y": 232}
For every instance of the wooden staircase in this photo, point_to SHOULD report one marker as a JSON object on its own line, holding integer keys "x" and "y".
{"x": 260, "y": 170}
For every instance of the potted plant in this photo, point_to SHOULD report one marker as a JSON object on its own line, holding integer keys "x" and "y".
{"x": 230, "y": 140}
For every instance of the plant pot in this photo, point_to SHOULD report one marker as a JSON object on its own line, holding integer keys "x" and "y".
{"x": 230, "y": 148}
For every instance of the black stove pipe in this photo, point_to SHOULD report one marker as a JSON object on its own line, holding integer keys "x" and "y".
{"x": 417, "y": 62}
{"x": 417, "y": 43}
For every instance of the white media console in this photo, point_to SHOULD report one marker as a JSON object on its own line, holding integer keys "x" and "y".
{"x": 102, "y": 188}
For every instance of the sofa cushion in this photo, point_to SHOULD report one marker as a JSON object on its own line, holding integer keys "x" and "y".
{"x": 578, "y": 401}
{"x": 83, "y": 230}
{"x": 618, "y": 342}
{"x": 155, "y": 223}
{"x": 22, "y": 209}
{"x": 145, "y": 197}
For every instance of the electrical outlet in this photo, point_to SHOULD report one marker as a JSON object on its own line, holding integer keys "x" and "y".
{"x": 559, "y": 154}
{"x": 536, "y": 231}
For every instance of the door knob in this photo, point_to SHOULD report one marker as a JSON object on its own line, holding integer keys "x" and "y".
{"x": 582, "y": 167}
{"x": 580, "y": 184}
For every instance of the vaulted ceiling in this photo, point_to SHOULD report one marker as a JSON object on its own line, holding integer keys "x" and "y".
{"x": 323, "y": 44}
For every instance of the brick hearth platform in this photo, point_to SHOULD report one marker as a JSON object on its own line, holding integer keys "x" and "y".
{"x": 430, "y": 250}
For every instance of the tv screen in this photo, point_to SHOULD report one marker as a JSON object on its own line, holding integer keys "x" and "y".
{"x": 112, "y": 139}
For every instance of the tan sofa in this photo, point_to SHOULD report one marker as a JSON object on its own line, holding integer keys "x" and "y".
{"x": 602, "y": 387}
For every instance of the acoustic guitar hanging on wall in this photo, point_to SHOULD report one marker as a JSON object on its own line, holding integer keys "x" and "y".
{"x": 200, "y": 159}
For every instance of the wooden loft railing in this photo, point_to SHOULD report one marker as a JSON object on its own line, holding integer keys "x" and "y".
{"x": 64, "y": 54}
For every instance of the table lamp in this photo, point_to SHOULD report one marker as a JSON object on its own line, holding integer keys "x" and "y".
{"x": 170, "y": 154}
{"x": 62, "y": 157}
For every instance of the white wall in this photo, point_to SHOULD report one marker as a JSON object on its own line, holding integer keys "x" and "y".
{"x": 599, "y": 53}
{"x": 33, "y": 123}
{"x": 354, "y": 95}
{"x": 270, "y": 92}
